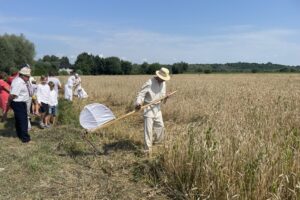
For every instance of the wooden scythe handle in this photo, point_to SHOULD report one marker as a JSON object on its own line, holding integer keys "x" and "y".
{"x": 130, "y": 113}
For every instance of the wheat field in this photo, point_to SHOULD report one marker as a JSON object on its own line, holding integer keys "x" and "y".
{"x": 232, "y": 136}
{"x": 228, "y": 136}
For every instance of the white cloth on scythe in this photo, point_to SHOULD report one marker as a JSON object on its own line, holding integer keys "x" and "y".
{"x": 94, "y": 115}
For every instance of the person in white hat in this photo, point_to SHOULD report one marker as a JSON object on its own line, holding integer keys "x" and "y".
{"x": 152, "y": 90}
{"x": 19, "y": 95}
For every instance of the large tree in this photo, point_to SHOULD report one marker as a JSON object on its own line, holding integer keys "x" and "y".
{"x": 84, "y": 63}
{"x": 64, "y": 62}
{"x": 178, "y": 68}
{"x": 15, "y": 51}
{"x": 113, "y": 65}
{"x": 98, "y": 68}
{"x": 126, "y": 67}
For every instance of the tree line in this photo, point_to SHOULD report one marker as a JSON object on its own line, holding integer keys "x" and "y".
{"x": 17, "y": 50}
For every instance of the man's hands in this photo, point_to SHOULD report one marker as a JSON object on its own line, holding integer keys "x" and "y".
{"x": 138, "y": 106}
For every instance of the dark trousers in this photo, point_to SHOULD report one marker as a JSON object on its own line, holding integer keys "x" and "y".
{"x": 21, "y": 120}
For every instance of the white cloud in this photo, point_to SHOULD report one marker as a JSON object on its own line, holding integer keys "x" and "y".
{"x": 275, "y": 45}
{"x": 244, "y": 43}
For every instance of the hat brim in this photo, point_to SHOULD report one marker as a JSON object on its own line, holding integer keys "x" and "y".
{"x": 24, "y": 74}
{"x": 162, "y": 77}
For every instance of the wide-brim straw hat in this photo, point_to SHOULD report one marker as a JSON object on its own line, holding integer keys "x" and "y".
{"x": 163, "y": 74}
{"x": 25, "y": 71}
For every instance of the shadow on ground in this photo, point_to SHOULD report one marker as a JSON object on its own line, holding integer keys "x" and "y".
{"x": 8, "y": 128}
{"x": 124, "y": 145}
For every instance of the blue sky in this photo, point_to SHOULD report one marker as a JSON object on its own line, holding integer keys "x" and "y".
{"x": 164, "y": 31}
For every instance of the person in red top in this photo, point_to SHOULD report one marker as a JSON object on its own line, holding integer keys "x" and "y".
{"x": 4, "y": 94}
{"x": 11, "y": 78}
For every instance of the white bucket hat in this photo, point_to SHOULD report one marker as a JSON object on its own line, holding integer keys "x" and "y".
{"x": 163, "y": 74}
{"x": 25, "y": 71}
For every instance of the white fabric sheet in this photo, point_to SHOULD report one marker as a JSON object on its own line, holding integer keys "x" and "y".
{"x": 94, "y": 115}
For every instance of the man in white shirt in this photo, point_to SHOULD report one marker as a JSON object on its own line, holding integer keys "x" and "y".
{"x": 19, "y": 95}
{"x": 152, "y": 90}
{"x": 55, "y": 80}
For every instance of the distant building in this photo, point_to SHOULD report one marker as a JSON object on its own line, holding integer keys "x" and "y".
{"x": 68, "y": 70}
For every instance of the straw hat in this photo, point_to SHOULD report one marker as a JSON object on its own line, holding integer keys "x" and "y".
{"x": 163, "y": 74}
{"x": 25, "y": 71}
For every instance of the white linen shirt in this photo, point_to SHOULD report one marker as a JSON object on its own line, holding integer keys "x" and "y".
{"x": 43, "y": 93}
{"x": 53, "y": 98}
{"x": 20, "y": 89}
{"x": 71, "y": 81}
{"x": 56, "y": 82}
{"x": 151, "y": 91}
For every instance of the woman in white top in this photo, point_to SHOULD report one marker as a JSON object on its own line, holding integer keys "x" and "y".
{"x": 69, "y": 88}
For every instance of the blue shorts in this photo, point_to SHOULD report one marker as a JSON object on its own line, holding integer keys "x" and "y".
{"x": 53, "y": 110}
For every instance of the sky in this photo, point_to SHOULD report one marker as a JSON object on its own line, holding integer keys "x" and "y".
{"x": 163, "y": 31}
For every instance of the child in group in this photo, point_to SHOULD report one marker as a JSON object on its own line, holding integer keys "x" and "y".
{"x": 43, "y": 97}
{"x": 53, "y": 102}
{"x": 35, "y": 105}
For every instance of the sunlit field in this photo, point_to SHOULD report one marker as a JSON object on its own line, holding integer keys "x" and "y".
{"x": 228, "y": 136}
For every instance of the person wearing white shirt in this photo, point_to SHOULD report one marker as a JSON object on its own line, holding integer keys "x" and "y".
{"x": 55, "y": 80}
{"x": 152, "y": 90}
{"x": 19, "y": 95}
{"x": 69, "y": 88}
{"x": 43, "y": 96}
{"x": 35, "y": 106}
{"x": 53, "y": 102}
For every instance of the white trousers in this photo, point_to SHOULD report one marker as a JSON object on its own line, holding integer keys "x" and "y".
{"x": 68, "y": 92}
{"x": 153, "y": 125}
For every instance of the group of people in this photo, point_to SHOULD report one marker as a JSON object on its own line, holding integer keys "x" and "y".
{"x": 25, "y": 96}
{"x": 22, "y": 93}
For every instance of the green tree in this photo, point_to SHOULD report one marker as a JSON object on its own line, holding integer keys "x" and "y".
{"x": 113, "y": 65}
{"x": 144, "y": 68}
{"x": 6, "y": 52}
{"x": 42, "y": 68}
{"x": 24, "y": 50}
{"x": 84, "y": 63}
{"x": 153, "y": 67}
{"x": 179, "y": 68}
{"x": 126, "y": 67}
{"x": 64, "y": 62}
{"x": 99, "y": 66}
{"x": 15, "y": 50}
